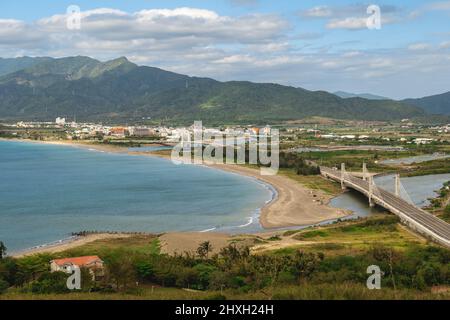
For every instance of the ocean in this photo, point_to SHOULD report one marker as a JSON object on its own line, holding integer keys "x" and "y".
{"x": 49, "y": 191}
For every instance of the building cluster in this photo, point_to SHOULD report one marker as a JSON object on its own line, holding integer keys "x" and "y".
{"x": 82, "y": 131}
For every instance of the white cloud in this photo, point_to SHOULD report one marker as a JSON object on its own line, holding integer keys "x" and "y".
{"x": 419, "y": 46}
{"x": 348, "y": 23}
{"x": 444, "y": 45}
{"x": 351, "y": 54}
{"x": 253, "y": 47}
{"x": 318, "y": 12}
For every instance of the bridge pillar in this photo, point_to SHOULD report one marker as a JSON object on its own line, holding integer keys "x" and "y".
{"x": 343, "y": 176}
{"x": 364, "y": 171}
{"x": 397, "y": 185}
{"x": 371, "y": 203}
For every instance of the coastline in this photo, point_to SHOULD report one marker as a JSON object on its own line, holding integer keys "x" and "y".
{"x": 66, "y": 244}
{"x": 292, "y": 205}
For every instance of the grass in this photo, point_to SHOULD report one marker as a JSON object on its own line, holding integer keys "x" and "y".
{"x": 155, "y": 247}
{"x": 315, "y": 182}
{"x": 352, "y": 237}
{"x": 304, "y": 291}
{"x": 136, "y": 243}
{"x": 140, "y": 293}
{"x": 440, "y": 166}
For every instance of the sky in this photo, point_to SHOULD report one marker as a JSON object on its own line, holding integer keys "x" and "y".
{"x": 316, "y": 45}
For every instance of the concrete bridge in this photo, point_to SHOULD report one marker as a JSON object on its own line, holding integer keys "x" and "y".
{"x": 417, "y": 219}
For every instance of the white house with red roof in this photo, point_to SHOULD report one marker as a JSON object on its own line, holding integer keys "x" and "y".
{"x": 93, "y": 263}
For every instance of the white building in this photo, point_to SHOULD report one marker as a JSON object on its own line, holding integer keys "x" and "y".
{"x": 60, "y": 121}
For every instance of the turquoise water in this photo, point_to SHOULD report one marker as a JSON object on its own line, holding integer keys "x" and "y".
{"x": 49, "y": 191}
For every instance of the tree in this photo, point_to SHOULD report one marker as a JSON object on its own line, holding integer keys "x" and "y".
{"x": 2, "y": 250}
{"x": 3, "y": 286}
{"x": 50, "y": 282}
{"x": 204, "y": 249}
{"x": 121, "y": 271}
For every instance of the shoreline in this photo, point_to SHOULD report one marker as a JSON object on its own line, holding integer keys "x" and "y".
{"x": 67, "y": 244}
{"x": 292, "y": 204}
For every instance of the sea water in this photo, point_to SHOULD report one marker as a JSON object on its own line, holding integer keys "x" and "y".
{"x": 49, "y": 191}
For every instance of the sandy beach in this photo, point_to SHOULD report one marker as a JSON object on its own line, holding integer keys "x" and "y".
{"x": 295, "y": 205}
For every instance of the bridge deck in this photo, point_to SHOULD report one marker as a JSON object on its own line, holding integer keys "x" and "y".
{"x": 429, "y": 224}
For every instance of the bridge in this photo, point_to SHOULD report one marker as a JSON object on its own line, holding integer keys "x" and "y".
{"x": 414, "y": 217}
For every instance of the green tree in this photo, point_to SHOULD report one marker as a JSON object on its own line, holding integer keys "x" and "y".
{"x": 3, "y": 285}
{"x": 50, "y": 282}
{"x": 2, "y": 250}
{"x": 121, "y": 271}
{"x": 204, "y": 249}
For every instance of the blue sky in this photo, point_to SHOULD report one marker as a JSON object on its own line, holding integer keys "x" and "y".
{"x": 318, "y": 45}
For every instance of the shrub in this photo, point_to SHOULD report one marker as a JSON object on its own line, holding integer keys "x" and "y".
{"x": 3, "y": 286}
{"x": 50, "y": 282}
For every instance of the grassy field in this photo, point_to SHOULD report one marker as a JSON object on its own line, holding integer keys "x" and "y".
{"x": 133, "y": 244}
{"x": 314, "y": 182}
{"x": 347, "y": 238}
{"x": 302, "y": 291}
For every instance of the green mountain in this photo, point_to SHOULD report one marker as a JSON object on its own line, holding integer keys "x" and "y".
{"x": 368, "y": 96}
{"x": 119, "y": 91}
{"x": 10, "y": 65}
{"x": 437, "y": 104}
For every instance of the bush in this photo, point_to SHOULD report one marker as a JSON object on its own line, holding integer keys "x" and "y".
{"x": 50, "y": 282}
{"x": 3, "y": 286}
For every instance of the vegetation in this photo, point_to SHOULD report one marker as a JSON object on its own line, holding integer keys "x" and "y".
{"x": 436, "y": 104}
{"x": 439, "y": 166}
{"x": 120, "y": 90}
{"x": 325, "y": 270}
{"x": 2, "y": 250}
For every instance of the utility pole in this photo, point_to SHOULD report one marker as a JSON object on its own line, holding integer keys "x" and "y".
{"x": 371, "y": 204}
{"x": 343, "y": 176}
{"x": 397, "y": 185}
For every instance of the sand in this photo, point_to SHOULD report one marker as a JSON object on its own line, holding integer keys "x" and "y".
{"x": 181, "y": 242}
{"x": 295, "y": 205}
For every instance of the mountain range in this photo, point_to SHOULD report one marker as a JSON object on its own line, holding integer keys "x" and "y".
{"x": 121, "y": 91}
{"x": 436, "y": 104}
{"x": 369, "y": 96}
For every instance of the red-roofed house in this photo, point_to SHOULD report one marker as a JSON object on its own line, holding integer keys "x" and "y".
{"x": 93, "y": 263}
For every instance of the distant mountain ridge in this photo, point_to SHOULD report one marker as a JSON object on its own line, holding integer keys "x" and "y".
{"x": 436, "y": 104}
{"x": 9, "y": 65}
{"x": 119, "y": 90}
{"x": 369, "y": 96}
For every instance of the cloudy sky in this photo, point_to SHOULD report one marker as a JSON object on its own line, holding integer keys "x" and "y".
{"x": 311, "y": 44}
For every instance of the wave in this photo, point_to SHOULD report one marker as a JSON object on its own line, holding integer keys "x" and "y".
{"x": 46, "y": 245}
{"x": 250, "y": 221}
